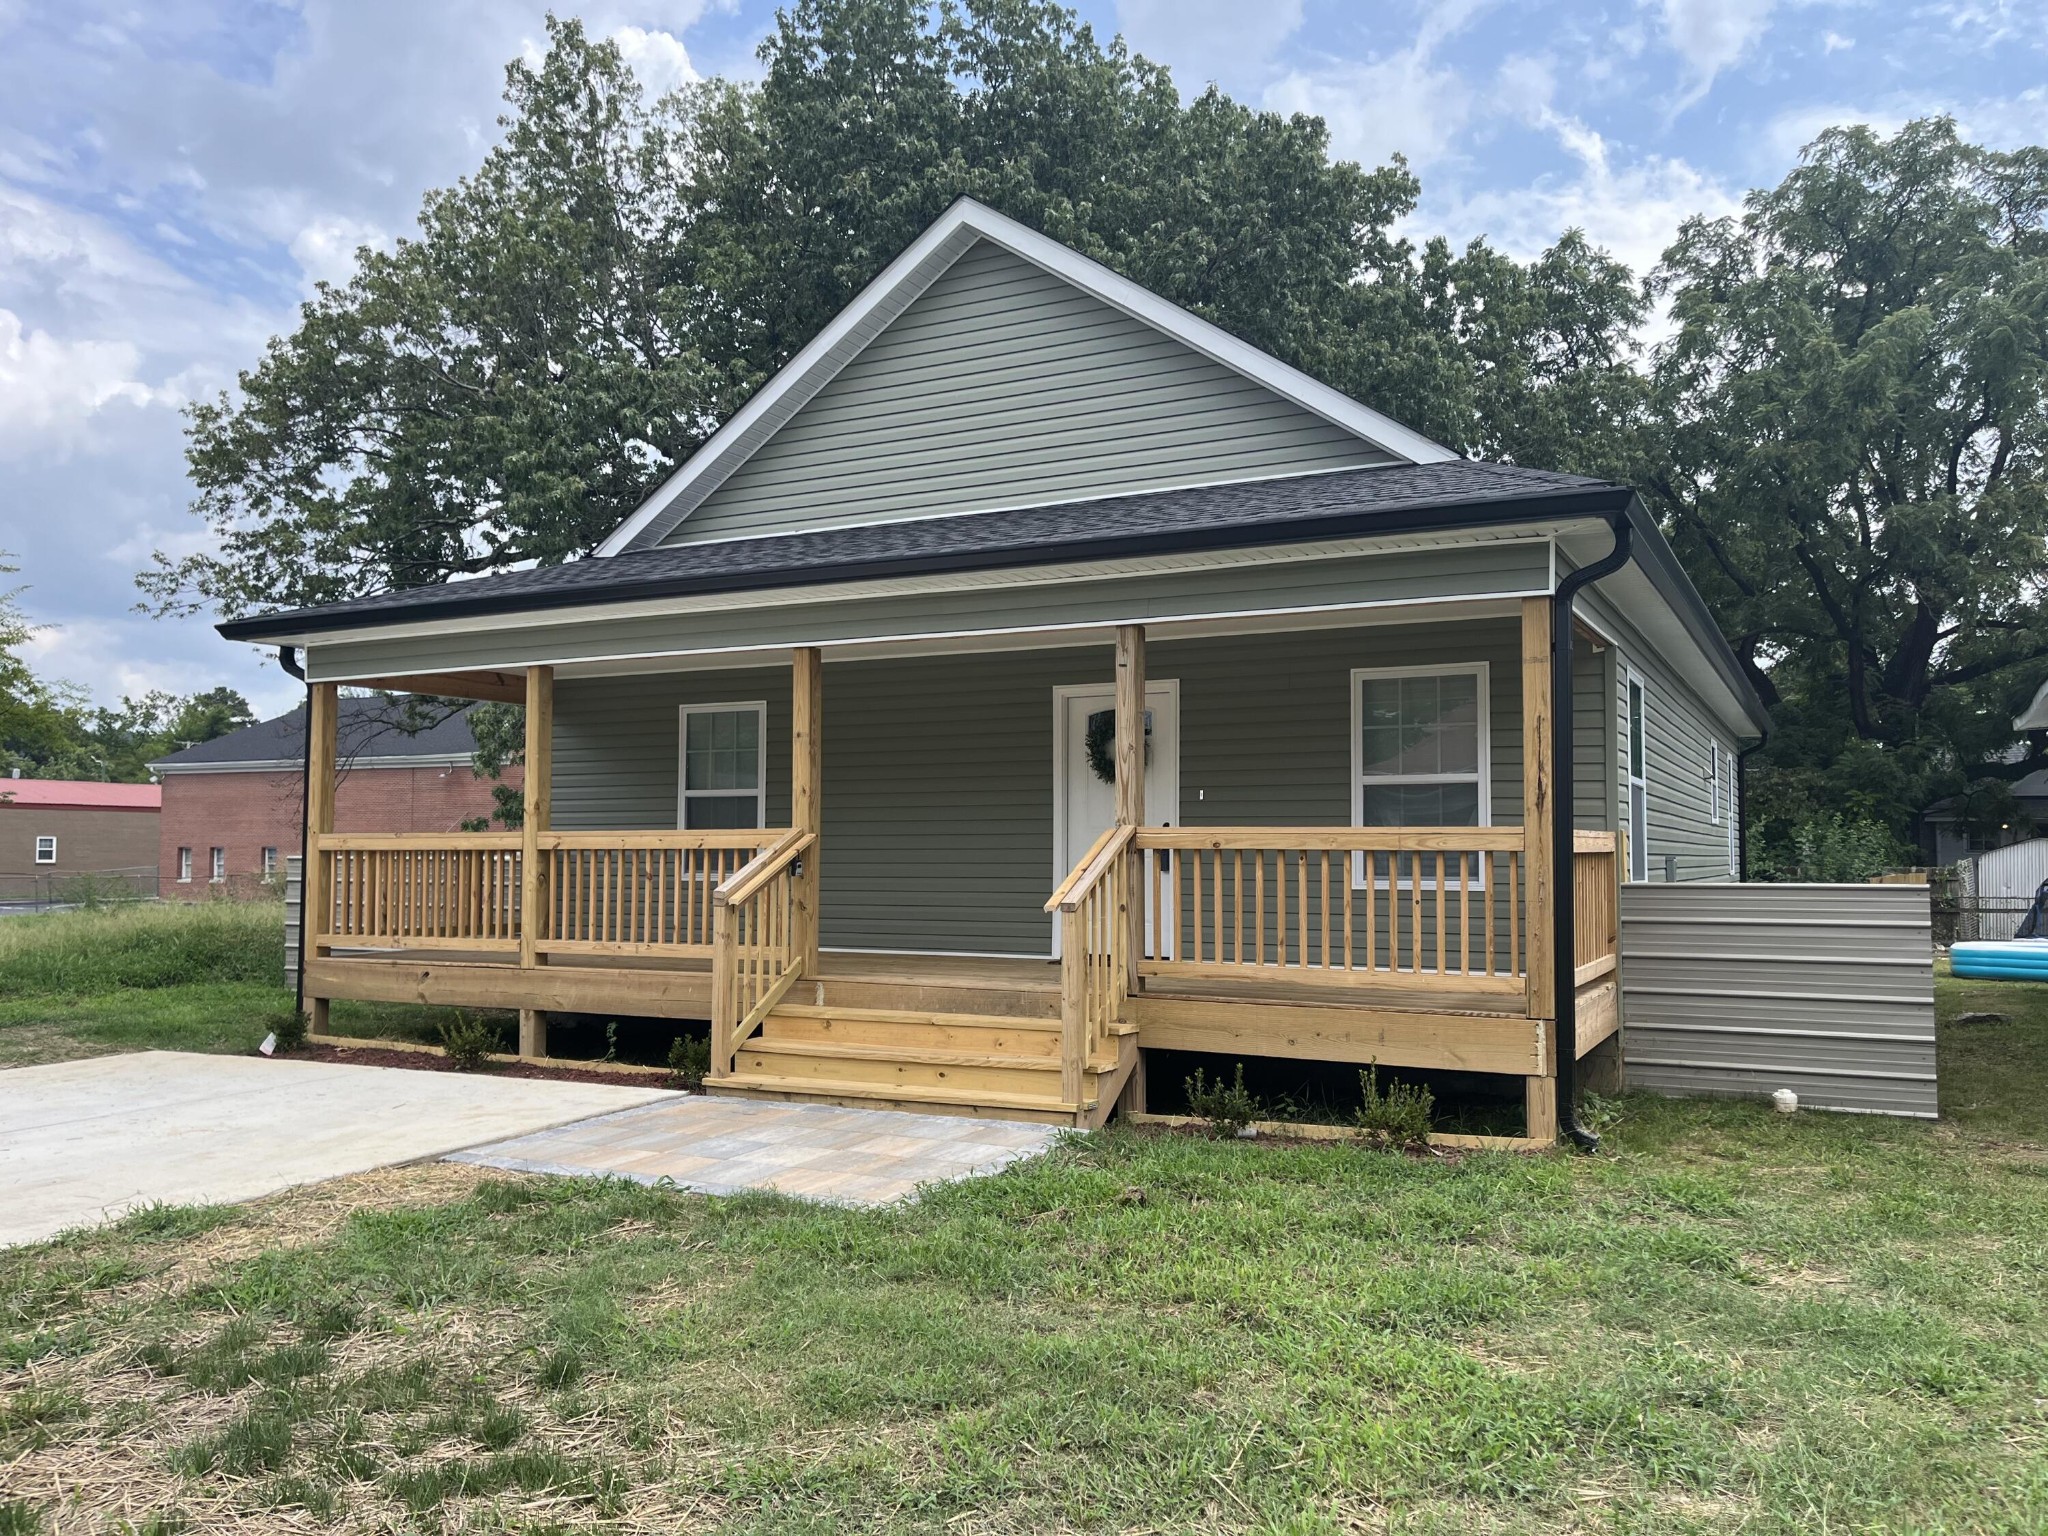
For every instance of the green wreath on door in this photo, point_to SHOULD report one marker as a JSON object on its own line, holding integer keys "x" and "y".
{"x": 1101, "y": 743}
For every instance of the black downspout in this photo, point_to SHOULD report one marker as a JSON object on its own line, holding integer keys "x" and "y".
{"x": 290, "y": 663}
{"x": 1563, "y": 908}
{"x": 1742, "y": 804}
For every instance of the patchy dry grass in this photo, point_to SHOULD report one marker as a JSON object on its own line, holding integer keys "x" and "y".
{"x": 1729, "y": 1321}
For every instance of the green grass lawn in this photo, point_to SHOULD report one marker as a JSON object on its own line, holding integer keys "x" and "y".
{"x": 1729, "y": 1320}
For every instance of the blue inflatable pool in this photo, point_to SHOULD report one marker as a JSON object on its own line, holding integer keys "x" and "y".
{"x": 2013, "y": 960}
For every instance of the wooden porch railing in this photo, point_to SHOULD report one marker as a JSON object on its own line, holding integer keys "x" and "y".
{"x": 756, "y": 946}
{"x": 608, "y": 893}
{"x": 451, "y": 890}
{"x": 1094, "y": 909}
{"x": 1596, "y": 904}
{"x": 1422, "y": 907}
{"x": 639, "y": 893}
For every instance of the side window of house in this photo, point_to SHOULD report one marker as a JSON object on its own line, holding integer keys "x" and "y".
{"x": 1419, "y": 737}
{"x": 220, "y": 864}
{"x": 185, "y": 864}
{"x": 724, "y": 751}
{"x": 1638, "y": 786}
{"x": 1734, "y": 827}
{"x": 269, "y": 861}
{"x": 46, "y": 850}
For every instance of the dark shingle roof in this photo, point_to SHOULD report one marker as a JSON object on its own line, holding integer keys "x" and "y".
{"x": 364, "y": 728}
{"x": 1360, "y": 501}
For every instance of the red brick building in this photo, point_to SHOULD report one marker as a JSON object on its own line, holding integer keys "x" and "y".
{"x": 57, "y": 832}
{"x": 232, "y": 806}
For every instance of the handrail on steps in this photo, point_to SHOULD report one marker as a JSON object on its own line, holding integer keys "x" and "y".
{"x": 762, "y": 867}
{"x": 1098, "y": 858}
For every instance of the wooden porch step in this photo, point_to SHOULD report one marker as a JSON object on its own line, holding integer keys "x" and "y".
{"x": 922, "y": 1098}
{"x": 903, "y": 1068}
{"x": 900, "y": 1028}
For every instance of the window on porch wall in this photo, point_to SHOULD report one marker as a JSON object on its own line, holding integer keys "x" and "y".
{"x": 724, "y": 767}
{"x": 1421, "y": 754}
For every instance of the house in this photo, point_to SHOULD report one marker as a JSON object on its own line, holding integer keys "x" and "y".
{"x": 1030, "y": 676}
{"x": 232, "y": 807}
{"x": 58, "y": 834}
{"x": 1950, "y": 832}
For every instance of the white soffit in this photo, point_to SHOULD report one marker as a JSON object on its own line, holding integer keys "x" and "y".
{"x": 900, "y": 284}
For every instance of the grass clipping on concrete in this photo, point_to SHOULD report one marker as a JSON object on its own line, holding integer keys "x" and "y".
{"x": 1729, "y": 1321}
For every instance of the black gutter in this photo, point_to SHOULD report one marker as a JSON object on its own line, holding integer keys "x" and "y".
{"x": 452, "y": 602}
{"x": 1563, "y": 884}
{"x": 290, "y": 663}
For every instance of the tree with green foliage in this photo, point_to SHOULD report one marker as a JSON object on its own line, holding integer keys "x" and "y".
{"x": 574, "y": 319}
{"x": 1849, "y": 427}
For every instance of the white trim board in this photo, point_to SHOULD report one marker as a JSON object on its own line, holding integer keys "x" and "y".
{"x": 900, "y": 284}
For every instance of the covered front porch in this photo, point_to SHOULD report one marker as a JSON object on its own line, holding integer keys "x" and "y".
{"x": 1424, "y": 947}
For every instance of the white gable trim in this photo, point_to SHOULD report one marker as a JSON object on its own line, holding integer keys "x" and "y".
{"x": 902, "y": 282}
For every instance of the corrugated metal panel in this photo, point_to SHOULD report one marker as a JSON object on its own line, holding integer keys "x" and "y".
{"x": 1002, "y": 385}
{"x": 938, "y": 770}
{"x": 1744, "y": 989}
{"x": 1397, "y": 576}
{"x": 2011, "y": 874}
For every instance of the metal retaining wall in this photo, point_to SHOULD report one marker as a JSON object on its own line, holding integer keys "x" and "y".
{"x": 1743, "y": 989}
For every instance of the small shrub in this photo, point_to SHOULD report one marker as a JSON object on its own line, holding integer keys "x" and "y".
{"x": 1397, "y": 1116}
{"x": 291, "y": 1029}
{"x": 469, "y": 1040}
{"x": 18, "y": 1517}
{"x": 1228, "y": 1107}
{"x": 689, "y": 1059}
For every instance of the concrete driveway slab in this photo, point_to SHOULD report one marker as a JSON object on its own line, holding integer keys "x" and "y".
{"x": 85, "y": 1141}
{"x": 819, "y": 1151}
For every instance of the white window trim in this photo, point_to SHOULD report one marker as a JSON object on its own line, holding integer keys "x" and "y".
{"x": 269, "y": 858}
{"x": 184, "y": 866}
{"x": 45, "y": 841}
{"x": 216, "y": 866}
{"x": 1714, "y": 781}
{"x": 683, "y": 713}
{"x": 1638, "y": 847}
{"x": 1359, "y": 675}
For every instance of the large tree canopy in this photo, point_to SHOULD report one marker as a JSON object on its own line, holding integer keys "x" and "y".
{"x": 1850, "y": 427}
{"x": 1843, "y": 431}
{"x": 573, "y": 320}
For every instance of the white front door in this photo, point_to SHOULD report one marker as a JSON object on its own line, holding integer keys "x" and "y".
{"x": 1084, "y": 803}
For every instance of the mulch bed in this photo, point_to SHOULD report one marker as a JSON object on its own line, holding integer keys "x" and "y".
{"x": 432, "y": 1061}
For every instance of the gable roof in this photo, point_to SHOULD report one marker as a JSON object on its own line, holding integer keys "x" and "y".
{"x": 902, "y": 282}
{"x": 365, "y": 734}
{"x": 79, "y": 795}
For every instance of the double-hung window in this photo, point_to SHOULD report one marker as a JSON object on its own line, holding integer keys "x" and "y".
{"x": 269, "y": 862}
{"x": 46, "y": 850}
{"x": 185, "y": 864}
{"x": 1419, "y": 750}
{"x": 1638, "y": 784}
{"x": 724, "y": 751}
{"x": 219, "y": 857}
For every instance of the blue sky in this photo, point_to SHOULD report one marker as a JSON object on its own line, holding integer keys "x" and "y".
{"x": 173, "y": 177}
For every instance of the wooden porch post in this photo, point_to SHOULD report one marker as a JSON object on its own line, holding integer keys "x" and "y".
{"x": 806, "y": 804}
{"x": 1130, "y": 782}
{"x": 1541, "y": 860}
{"x": 316, "y": 894}
{"x": 533, "y": 872}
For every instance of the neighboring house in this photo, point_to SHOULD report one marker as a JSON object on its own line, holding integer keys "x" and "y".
{"x": 53, "y": 832}
{"x": 825, "y": 744}
{"x": 1946, "y": 832}
{"x": 232, "y": 806}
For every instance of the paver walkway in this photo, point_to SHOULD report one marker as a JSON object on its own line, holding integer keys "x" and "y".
{"x": 84, "y": 1141}
{"x": 819, "y": 1151}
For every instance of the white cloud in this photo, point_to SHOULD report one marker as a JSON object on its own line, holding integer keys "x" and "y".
{"x": 1226, "y": 41}
{"x": 1835, "y": 42}
{"x": 51, "y": 389}
{"x": 1711, "y": 35}
{"x": 326, "y": 248}
{"x": 658, "y": 58}
{"x": 1405, "y": 102}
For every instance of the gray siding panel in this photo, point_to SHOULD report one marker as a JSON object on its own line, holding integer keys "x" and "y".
{"x": 1004, "y": 603}
{"x": 1003, "y": 385}
{"x": 939, "y": 770}
{"x": 1744, "y": 989}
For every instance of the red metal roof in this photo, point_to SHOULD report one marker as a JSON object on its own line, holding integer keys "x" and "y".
{"x": 79, "y": 794}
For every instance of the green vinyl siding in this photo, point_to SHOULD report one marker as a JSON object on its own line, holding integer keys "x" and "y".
{"x": 938, "y": 771}
{"x": 1003, "y": 385}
